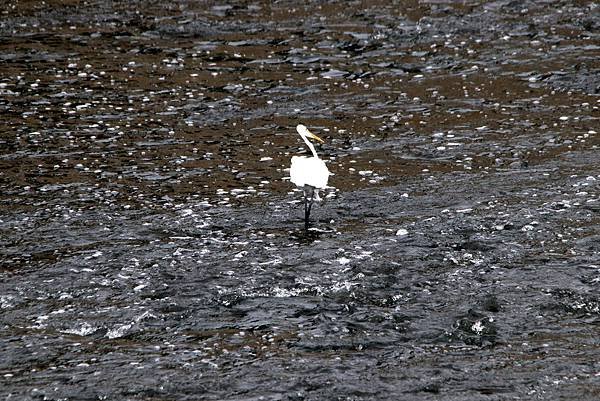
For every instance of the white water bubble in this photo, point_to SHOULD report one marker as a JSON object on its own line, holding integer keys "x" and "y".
{"x": 401, "y": 232}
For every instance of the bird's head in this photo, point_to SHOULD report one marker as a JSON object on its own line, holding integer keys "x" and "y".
{"x": 305, "y": 133}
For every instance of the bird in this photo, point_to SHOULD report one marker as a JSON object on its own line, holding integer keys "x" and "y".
{"x": 309, "y": 173}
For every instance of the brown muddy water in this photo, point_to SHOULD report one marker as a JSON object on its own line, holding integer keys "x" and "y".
{"x": 152, "y": 247}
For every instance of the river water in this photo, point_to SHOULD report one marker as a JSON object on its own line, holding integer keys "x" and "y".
{"x": 152, "y": 246}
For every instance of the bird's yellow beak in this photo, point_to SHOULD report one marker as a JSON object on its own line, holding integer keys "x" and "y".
{"x": 313, "y": 136}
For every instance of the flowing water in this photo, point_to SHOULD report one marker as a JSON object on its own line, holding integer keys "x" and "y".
{"x": 152, "y": 246}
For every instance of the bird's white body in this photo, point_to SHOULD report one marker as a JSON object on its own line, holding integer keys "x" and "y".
{"x": 309, "y": 171}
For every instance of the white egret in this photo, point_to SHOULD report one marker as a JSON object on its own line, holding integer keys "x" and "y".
{"x": 309, "y": 173}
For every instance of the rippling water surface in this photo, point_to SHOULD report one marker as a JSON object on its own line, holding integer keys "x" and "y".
{"x": 152, "y": 246}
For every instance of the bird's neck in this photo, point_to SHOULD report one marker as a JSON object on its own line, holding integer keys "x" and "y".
{"x": 310, "y": 146}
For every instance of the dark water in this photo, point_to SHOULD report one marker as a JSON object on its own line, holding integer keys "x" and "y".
{"x": 152, "y": 249}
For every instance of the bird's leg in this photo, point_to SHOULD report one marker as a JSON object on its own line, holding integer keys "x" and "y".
{"x": 306, "y": 212}
{"x": 307, "y": 206}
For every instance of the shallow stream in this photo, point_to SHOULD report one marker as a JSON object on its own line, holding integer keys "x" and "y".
{"x": 152, "y": 246}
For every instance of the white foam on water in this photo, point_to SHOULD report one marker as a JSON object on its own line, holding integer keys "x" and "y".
{"x": 84, "y": 329}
